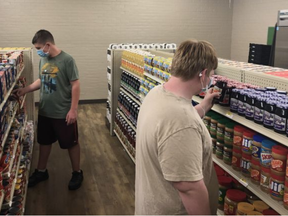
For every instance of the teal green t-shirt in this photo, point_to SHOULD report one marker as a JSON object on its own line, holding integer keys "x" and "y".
{"x": 55, "y": 92}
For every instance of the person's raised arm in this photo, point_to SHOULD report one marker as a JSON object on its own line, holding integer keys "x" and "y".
{"x": 33, "y": 87}
{"x": 207, "y": 103}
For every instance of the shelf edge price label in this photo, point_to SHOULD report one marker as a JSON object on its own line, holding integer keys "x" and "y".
{"x": 229, "y": 115}
{"x": 108, "y": 57}
{"x": 244, "y": 182}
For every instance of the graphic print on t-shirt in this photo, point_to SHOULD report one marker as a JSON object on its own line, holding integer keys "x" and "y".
{"x": 48, "y": 78}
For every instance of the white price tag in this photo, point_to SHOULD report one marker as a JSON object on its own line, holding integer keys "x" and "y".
{"x": 108, "y": 57}
{"x": 229, "y": 115}
{"x": 243, "y": 182}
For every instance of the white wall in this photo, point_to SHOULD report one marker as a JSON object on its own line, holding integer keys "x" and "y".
{"x": 85, "y": 28}
{"x": 251, "y": 19}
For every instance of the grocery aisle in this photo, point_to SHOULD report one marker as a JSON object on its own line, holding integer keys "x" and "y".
{"x": 108, "y": 186}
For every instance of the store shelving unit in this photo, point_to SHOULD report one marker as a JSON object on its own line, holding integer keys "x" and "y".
{"x": 113, "y": 76}
{"x": 276, "y": 205}
{"x": 139, "y": 77}
{"x": 2, "y": 198}
{"x": 125, "y": 147}
{"x": 138, "y": 97}
{"x": 283, "y": 139}
{"x": 261, "y": 79}
{"x": 154, "y": 78}
{"x": 242, "y": 75}
{"x": 27, "y": 180}
{"x": 21, "y": 133}
{"x": 15, "y": 111}
{"x": 135, "y": 99}
{"x": 23, "y": 102}
{"x": 220, "y": 212}
{"x": 27, "y": 72}
{"x": 13, "y": 158}
{"x": 11, "y": 89}
{"x": 114, "y": 71}
{"x": 126, "y": 119}
{"x": 26, "y": 189}
{"x": 8, "y": 128}
{"x": 15, "y": 180}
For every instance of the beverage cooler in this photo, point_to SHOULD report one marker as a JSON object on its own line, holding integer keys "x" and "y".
{"x": 281, "y": 40}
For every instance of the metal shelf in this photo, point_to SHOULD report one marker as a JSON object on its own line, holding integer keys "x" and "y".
{"x": 15, "y": 147}
{"x": 2, "y": 198}
{"x": 26, "y": 188}
{"x": 220, "y": 212}
{"x": 140, "y": 96}
{"x": 27, "y": 181}
{"x": 23, "y": 101}
{"x": 131, "y": 73}
{"x": 11, "y": 89}
{"x": 15, "y": 180}
{"x": 277, "y": 206}
{"x": 109, "y": 99}
{"x": 9, "y": 127}
{"x": 247, "y": 123}
{"x": 154, "y": 78}
{"x": 126, "y": 119}
{"x": 13, "y": 157}
{"x": 130, "y": 95}
{"x": 132, "y": 158}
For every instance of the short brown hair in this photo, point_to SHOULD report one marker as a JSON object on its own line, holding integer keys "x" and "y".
{"x": 192, "y": 57}
{"x": 43, "y": 36}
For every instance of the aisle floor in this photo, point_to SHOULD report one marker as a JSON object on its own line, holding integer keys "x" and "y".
{"x": 108, "y": 186}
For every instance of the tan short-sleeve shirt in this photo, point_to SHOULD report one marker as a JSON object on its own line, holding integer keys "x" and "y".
{"x": 172, "y": 144}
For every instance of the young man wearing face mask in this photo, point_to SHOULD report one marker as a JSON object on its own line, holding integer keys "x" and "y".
{"x": 174, "y": 168}
{"x": 59, "y": 96}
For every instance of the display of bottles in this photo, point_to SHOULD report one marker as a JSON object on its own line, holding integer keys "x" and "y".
{"x": 129, "y": 107}
{"x": 135, "y": 56}
{"x": 130, "y": 81}
{"x": 126, "y": 134}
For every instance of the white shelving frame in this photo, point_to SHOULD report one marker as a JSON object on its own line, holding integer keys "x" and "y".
{"x": 27, "y": 72}
{"x": 247, "y": 76}
{"x": 124, "y": 69}
{"x": 276, "y": 205}
{"x": 11, "y": 89}
{"x": 15, "y": 180}
{"x": 126, "y": 119}
{"x": 114, "y": 63}
{"x": 280, "y": 138}
{"x": 124, "y": 146}
{"x": 154, "y": 78}
{"x": 131, "y": 96}
{"x": 27, "y": 180}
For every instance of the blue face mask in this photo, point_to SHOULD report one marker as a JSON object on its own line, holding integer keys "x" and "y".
{"x": 41, "y": 53}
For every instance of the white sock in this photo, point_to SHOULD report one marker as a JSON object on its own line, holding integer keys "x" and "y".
{"x": 44, "y": 170}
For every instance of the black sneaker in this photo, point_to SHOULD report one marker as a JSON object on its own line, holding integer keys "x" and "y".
{"x": 37, "y": 177}
{"x": 76, "y": 180}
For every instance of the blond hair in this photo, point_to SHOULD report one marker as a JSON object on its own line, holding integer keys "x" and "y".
{"x": 192, "y": 57}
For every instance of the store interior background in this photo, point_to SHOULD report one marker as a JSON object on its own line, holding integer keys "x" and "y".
{"x": 85, "y": 28}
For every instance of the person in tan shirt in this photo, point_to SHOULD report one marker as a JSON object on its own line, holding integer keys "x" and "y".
{"x": 174, "y": 168}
